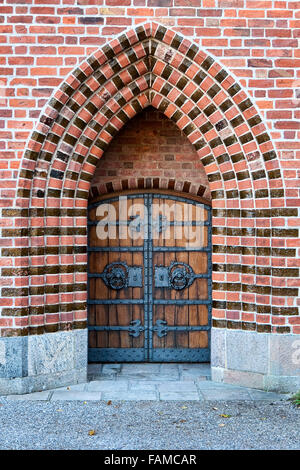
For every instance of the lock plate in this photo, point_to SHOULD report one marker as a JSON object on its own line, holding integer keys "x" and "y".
{"x": 161, "y": 276}
{"x": 135, "y": 278}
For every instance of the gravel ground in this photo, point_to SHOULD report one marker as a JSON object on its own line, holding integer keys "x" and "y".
{"x": 149, "y": 425}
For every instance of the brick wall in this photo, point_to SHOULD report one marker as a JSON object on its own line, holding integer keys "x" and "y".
{"x": 150, "y": 152}
{"x": 41, "y": 43}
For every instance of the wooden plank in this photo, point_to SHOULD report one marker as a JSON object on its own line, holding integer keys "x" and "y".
{"x": 198, "y": 339}
{"x": 182, "y": 312}
{"x": 139, "y": 214}
{"x": 138, "y": 314}
{"x": 102, "y": 339}
{"x": 170, "y": 339}
{"x": 158, "y": 310}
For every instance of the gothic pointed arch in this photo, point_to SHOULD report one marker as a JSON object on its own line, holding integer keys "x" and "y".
{"x": 153, "y": 65}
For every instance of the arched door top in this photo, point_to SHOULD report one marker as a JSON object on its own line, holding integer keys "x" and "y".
{"x": 153, "y": 65}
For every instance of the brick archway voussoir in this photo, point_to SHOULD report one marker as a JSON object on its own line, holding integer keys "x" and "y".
{"x": 161, "y": 60}
{"x": 88, "y": 69}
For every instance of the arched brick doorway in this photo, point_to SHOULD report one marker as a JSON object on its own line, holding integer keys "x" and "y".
{"x": 253, "y": 309}
{"x": 150, "y": 164}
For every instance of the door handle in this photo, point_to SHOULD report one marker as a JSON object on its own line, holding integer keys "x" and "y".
{"x": 177, "y": 276}
{"x": 118, "y": 275}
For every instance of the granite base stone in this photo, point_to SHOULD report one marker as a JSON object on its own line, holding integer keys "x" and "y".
{"x": 262, "y": 361}
{"x": 41, "y": 362}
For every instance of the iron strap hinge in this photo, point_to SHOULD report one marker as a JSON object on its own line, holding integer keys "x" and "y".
{"x": 161, "y": 328}
{"x": 135, "y": 328}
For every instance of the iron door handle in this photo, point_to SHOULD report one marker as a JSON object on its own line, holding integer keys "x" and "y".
{"x": 177, "y": 276}
{"x": 118, "y": 275}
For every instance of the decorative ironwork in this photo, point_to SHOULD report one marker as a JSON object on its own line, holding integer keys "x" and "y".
{"x": 181, "y": 275}
{"x": 135, "y": 278}
{"x": 177, "y": 276}
{"x": 160, "y": 328}
{"x": 136, "y": 328}
{"x": 161, "y": 276}
{"x": 115, "y": 275}
{"x": 118, "y": 275}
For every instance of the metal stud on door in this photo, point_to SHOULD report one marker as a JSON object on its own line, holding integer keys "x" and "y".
{"x": 150, "y": 292}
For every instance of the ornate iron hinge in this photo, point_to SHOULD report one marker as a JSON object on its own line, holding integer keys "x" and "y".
{"x": 135, "y": 328}
{"x": 162, "y": 328}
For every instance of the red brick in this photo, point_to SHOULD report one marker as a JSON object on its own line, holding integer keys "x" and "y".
{"x": 256, "y": 40}
{"x": 20, "y": 19}
{"x": 260, "y": 63}
{"x": 280, "y": 33}
{"x": 182, "y": 12}
{"x": 208, "y": 32}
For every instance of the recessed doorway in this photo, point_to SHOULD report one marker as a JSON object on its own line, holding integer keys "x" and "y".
{"x": 149, "y": 274}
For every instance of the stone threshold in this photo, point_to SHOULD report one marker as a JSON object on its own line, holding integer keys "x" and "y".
{"x": 155, "y": 382}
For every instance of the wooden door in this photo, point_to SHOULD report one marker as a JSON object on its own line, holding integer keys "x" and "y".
{"x": 149, "y": 275}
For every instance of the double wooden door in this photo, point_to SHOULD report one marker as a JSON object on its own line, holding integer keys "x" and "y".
{"x": 149, "y": 278}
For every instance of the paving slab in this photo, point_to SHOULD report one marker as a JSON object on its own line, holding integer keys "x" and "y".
{"x": 193, "y": 378}
{"x": 225, "y": 394}
{"x": 142, "y": 385}
{"x": 209, "y": 384}
{"x": 179, "y": 396}
{"x": 204, "y": 367}
{"x": 177, "y": 387}
{"x": 95, "y": 368}
{"x": 78, "y": 396}
{"x": 107, "y": 386}
{"x": 148, "y": 377}
{"x": 171, "y": 370}
{"x": 162, "y": 377}
{"x": 128, "y": 382}
{"x": 73, "y": 388}
{"x": 145, "y": 368}
{"x": 261, "y": 395}
{"x": 194, "y": 372}
{"x": 139, "y": 395}
{"x": 166, "y": 367}
{"x": 40, "y": 396}
{"x": 111, "y": 369}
